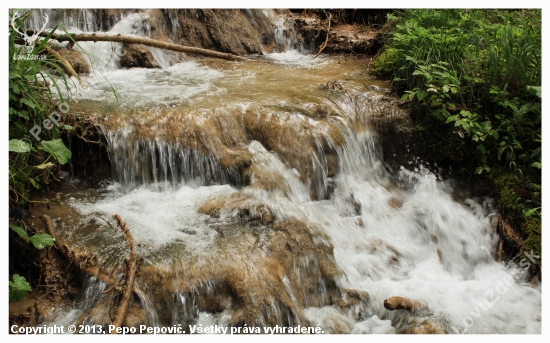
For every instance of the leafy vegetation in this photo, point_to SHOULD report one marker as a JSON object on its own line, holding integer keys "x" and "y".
{"x": 34, "y": 96}
{"x": 18, "y": 287}
{"x": 473, "y": 78}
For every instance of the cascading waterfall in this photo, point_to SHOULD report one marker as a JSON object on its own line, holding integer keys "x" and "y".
{"x": 254, "y": 202}
{"x": 392, "y": 235}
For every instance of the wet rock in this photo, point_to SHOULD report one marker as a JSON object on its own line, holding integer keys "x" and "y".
{"x": 135, "y": 316}
{"x": 353, "y": 303}
{"x": 76, "y": 60}
{"x": 240, "y": 204}
{"x": 397, "y": 134}
{"x": 401, "y": 303}
{"x": 333, "y": 165}
{"x": 426, "y": 326}
{"x": 225, "y": 30}
{"x": 330, "y": 319}
{"x": 252, "y": 284}
{"x": 508, "y": 232}
{"x": 137, "y": 56}
{"x": 395, "y": 203}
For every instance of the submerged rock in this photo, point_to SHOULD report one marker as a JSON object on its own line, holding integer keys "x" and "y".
{"x": 401, "y": 303}
{"x": 76, "y": 60}
{"x": 137, "y": 56}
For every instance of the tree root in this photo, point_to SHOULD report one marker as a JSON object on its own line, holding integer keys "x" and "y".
{"x": 324, "y": 45}
{"x": 131, "y": 267}
{"x": 130, "y": 275}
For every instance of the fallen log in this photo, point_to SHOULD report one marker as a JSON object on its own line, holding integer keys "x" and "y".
{"x": 103, "y": 37}
{"x": 130, "y": 275}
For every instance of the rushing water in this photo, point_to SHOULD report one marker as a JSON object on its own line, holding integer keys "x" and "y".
{"x": 399, "y": 234}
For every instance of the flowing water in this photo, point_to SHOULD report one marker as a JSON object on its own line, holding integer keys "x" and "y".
{"x": 257, "y": 194}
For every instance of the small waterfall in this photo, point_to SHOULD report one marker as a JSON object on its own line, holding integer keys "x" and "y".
{"x": 284, "y": 32}
{"x": 84, "y": 20}
{"x": 391, "y": 235}
{"x": 138, "y": 161}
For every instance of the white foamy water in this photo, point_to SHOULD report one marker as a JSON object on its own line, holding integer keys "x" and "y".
{"x": 293, "y": 58}
{"x": 160, "y": 218}
{"x": 177, "y": 85}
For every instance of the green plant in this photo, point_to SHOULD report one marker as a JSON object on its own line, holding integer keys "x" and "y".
{"x": 33, "y": 95}
{"x": 18, "y": 287}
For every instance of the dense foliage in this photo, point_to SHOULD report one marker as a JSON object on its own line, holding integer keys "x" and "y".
{"x": 32, "y": 160}
{"x": 474, "y": 80}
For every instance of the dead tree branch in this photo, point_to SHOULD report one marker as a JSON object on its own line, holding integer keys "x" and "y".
{"x": 103, "y": 37}
{"x": 130, "y": 274}
{"x": 324, "y": 45}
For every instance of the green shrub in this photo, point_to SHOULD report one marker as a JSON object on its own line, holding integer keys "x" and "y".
{"x": 474, "y": 80}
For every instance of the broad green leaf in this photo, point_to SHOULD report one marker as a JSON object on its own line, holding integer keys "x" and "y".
{"x": 57, "y": 149}
{"x": 42, "y": 240}
{"x": 18, "y": 287}
{"x": 20, "y": 231}
{"x": 19, "y": 145}
{"x": 28, "y": 103}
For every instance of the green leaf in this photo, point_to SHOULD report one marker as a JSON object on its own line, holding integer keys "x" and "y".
{"x": 20, "y": 231}
{"x": 482, "y": 149}
{"x": 19, "y": 146}
{"x": 57, "y": 149}
{"x": 531, "y": 211}
{"x": 42, "y": 240}
{"x": 18, "y": 287}
{"x": 501, "y": 150}
{"x": 34, "y": 183}
{"x": 537, "y": 90}
{"x": 28, "y": 103}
